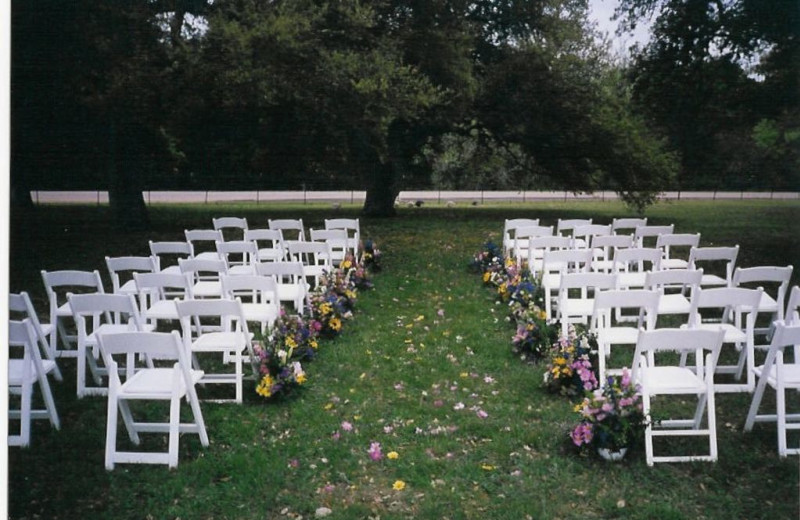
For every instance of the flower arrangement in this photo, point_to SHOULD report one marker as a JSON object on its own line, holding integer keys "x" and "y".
{"x": 571, "y": 369}
{"x": 279, "y": 374}
{"x": 533, "y": 339}
{"x": 610, "y": 417}
{"x": 371, "y": 256}
{"x": 295, "y": 334}
{"x": 489, "y": 258}
{"x": 354, "y": 273}
{"x": 328, "y": 311}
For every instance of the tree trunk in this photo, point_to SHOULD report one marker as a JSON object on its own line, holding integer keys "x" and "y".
{"x": 380, "y": 199}
{"x": 124, "y": 189}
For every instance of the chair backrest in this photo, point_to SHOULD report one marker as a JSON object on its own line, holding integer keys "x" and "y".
{"x": 730, "y": 303}
{"x": 21, "y": 304}
{"x": 618, "y": 225}
{"x": 772, "y": 279}
{"x": 153, "y": 287}
{"x": 238, "y": 252}
{"x": 639, "y": 259}
{"x": 85, "y": 305}
{"x": 58, "y": 283}
{"x": 129, "y": 265}
{"x": 284, "y": 272}
{"x": 22, "y": 334}
{"x": 565, "y": 227}
{"x": 792, "y": 314}
{"x": 251, "y": 289}
{"x": 522, "y": 236}
{"x": 160, "y": 251}
{"x": 228, "y": 315}
{"x": 203, "y": 269}
{"x": 236, "y": 224}
{"x": 612, "y": 241}
{"x": 353, "y": 228}
{"x": 645, "y": 301}
{"x": 711, "y": 255}
{"x": 510, "y": 227}
{"x": 309, "y": 253}
{"x": 589, "y": 231}
{"x": 566, "y": 260}
{"x": 644, "y": 232}
{"x": 682, "y": 278}
{"x": 144, "y": 345}
{"x": 295, "y": 228}
{"x": 651, "y": 342}
{"x": 784, "y": 335}
{"x": 678, "y": 239}
{"x": 203, "y": 240}
{"x": 337, "y": 239}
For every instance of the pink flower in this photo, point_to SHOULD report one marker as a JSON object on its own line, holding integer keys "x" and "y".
{"x": 375, "y": 451}
{"x": 440, "y": 313}
{"x": 482, "y": 414}
{"x": 346, "y": 426}
{"x": 335, "y": 435}
{"x": 437, "y": 403}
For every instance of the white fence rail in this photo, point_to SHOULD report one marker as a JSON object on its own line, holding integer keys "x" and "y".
{"x": 405, "y": 197}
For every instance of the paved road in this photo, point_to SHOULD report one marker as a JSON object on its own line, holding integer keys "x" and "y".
{"x": 405, "y": 197}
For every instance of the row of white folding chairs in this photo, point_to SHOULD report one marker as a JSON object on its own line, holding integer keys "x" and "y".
{"x": 293, "y": 229}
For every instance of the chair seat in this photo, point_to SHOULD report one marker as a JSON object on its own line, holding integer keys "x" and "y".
{"x": 16, "y": 370}
{"x": 155, "y": 383}
{"x": 790, "y": 375}
{"x": 173, "y": 269}
{"x": 618, "y": 335}
{"x": 674, "y": 304}
{"x": 220, "y": 341}
{"x": 128, "y": 287}
{"x": 767, "y": 304}
{"x": 628, "y": 280}
{"x": 208, "y": 255}
{"x": 712, "y": 280}
{"x": 674, "y": 263}
{"x": 207, "y": 289}
{"x": 732, "y": 334}
{"x": 671, "y": 380}
{"x": 270, "y": 255}
{"x": 162, "y": 310}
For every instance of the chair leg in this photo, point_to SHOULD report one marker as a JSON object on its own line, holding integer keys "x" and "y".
{"x": 755, "y": 403}
{"x": 648, "y": 432}
{"x": 49, "y": 403}
{"x": 111, "y": 429}
{"x": 780, "y": 399}
{"x": 174, "y": 433}
{"x": 25, "y": 414}
{"x": 700, "y": 410}
{"x": 712, "y": 421}
{"x": 127, "y": 418}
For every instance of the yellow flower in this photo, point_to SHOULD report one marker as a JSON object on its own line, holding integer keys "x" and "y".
{"x": 487, "y": 467}
{"x": 290, "y": 342}
{"x": 325, "y": 309}
{"x": 328, "y": 406}
{"x": 399, "y": 485}
{"x": 335, "y": 324}
{"x": 392, "y": 455}
{"x": 264, "y": 388}
{"x": 301, "y": 379}
{"x": 314, "y": 344}
{"x": 346, "y": 264}
{"x": 486, "y": 276}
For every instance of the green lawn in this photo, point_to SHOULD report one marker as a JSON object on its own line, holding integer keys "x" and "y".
{"x": 428, "y": 339}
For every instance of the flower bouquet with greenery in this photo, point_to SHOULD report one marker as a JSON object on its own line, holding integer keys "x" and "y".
{"x": 571, "y": 369}
{"x": 371, "y": 256}
{"x": 611, "y": 417}
{"x": 489, "y": 258}
{"x": 354, "y": 274}
{"x": 279, "y": 374}
{"x": 533, "y": 339}
{"x": 329, "y": 310}
{"x": 294, "y": 334}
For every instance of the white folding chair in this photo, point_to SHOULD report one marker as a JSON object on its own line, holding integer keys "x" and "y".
{"x": 732, "y": 310}
{"x": 337, "y": 240}
{"x": 582, "y": 235}
{"x": 353, "y": 228}
{"x": 269, "y": 243}
{"x": 657, "y": 378}
{"x": 97, "y": 314}
{"x": 710, "y": 257}
{"x": 611, "y": 332}
{"x": 677, "y": 287}
{"x": 538, "y": 245}
{"x": 205, "y": 276}
{"x": 315, "y": 257}
{"x": 158, "y": 293}
{"x": 57, "y": 285}
{"x": 173, "y": 384}
{"x": 792, "y": 315}
{"x": 204, "y": 242}
{"x": 782, "y": 377}
{"x": 211, "y": 327}
{"x": 576, "y": 296}
{"x": 510, "y": 231}
{"x": 22, "y": 305}
{"x": 166, "y": 255}
{"x": 603, "y": 249}
{"x": 632, "y": 265}
{"x": 240, "y": 256}
{"x": 236, "y": 227}
{"x": 557, "y": 263}
{"x": 642, "y": 234}
{"x": 259, "y": 297}
{"x": 522, "y": 237}
{"x": 291, "y": 281}
{"x": 292, "y": 229}
{"x": 775, "y": 283}
{"x": 682, "y": 242}
{"x": 128, "y": 265}
{"x": 24, "y": 372}
{"x": 627, "y": 226}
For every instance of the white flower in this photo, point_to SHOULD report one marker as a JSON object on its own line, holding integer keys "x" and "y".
{"x": 458, "y": 406}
